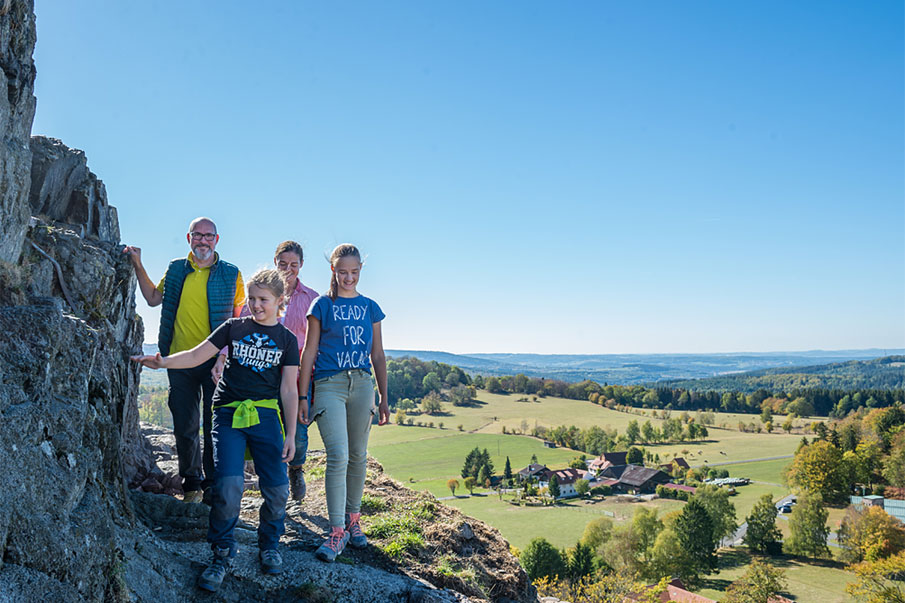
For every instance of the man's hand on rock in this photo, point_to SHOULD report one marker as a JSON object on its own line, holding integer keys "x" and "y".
{"x": 134, "y": 254}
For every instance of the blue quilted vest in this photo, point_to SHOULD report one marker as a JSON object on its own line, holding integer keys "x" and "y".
{"x": 221, "y": 293}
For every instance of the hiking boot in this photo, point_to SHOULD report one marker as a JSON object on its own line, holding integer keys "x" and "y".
{"x": 357, "y": 538}
{"x": 271, "y": 561}
{"x": 333, "y": 546}
{"x": 297, "y": 487}
{"x": 212, "y": 577}
{"x": 193, "y": 496}
{"x": 208, "y": 497}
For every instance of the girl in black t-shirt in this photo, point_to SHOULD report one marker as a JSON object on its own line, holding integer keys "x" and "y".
{"x": 261, "y": 370}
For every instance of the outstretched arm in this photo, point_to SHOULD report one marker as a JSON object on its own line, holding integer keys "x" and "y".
{"x": 379, "y": 362}
{"x": 180, "y": 360}
{"x": 148, "y": 290}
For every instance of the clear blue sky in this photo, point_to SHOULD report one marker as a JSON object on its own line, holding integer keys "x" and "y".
{"x": 583, "y": 177}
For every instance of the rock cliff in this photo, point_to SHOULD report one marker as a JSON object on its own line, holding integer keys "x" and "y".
{"x": 76, "y": 525}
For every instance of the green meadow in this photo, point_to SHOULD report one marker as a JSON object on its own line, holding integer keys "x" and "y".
{"x": 426, "y": 458}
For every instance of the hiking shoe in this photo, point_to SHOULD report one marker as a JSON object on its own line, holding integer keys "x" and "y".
{"x": 297, "y": 486}
{"x": 193, "y": 496}
{"x": 333, "y": 546}
{"x": 212, "y": 577}
{"x": 271, "y": 561}
{"x": 357, "y": 538}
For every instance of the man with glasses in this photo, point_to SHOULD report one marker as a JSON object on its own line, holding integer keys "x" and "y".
{"x": 198, "y": 294}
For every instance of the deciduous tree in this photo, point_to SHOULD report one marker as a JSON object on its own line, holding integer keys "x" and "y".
{"x": 870, "y": 535}
{"x": 757, "y": 585}
{"x": 540, "y": 559}
{"x": 808, "y": 526}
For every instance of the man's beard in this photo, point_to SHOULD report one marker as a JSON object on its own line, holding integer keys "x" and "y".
{"x": 202, "y": 253}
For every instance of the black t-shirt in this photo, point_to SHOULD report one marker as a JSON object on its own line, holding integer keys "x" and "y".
{"x": 254, "y": 364}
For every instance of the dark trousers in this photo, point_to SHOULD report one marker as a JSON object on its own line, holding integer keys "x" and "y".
{"x": 190, "y": 396}
{"x": 265, "y": 441}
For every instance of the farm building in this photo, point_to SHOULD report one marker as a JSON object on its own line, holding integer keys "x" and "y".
{"x": 566, "y": 479}
{"x": 641, "y": 480}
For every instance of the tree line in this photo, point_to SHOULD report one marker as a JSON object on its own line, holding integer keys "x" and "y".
{"x": 410, "y": 378}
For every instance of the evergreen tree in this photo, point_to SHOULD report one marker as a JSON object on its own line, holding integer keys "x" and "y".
{"x": 634, "y": 456}
{"x": 763, "y": 536}
{"x": 694, "y": 529}
{"x": 484, "y": 476}
{"x": 507, "y": 470}
{"x": 553, "y": 487}
{"x": 720, "y": 510}
{"x": 468, "y": 467}
{"x": 534, "y": 459}
{"x": 581, "y": 562}
{"x": 485, "y": 460}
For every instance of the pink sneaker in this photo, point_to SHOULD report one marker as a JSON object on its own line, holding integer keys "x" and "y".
{"x": 333, "y": 546}
{"x": 357, "y": 538}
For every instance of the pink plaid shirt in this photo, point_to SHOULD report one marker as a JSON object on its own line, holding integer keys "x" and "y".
{"x": 296, "y": 316}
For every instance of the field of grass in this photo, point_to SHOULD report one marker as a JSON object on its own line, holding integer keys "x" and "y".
{"x": 762, "y": 471}
{"x": 748, "y": 495}
{"x": 562, "y": 525}
{"x": 425, "y": 458}
{"x": 808, "y": 581}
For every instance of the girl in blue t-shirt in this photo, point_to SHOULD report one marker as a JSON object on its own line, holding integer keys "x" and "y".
{"x": 343, "y": 342}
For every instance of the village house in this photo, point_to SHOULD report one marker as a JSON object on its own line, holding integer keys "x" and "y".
{"x": 606, "y": 460}
{"x": 641, "y": 480}
{"x": 566, "y": 479}
{"x": 532, "y": 471}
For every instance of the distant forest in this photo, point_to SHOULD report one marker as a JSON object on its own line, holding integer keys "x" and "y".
{"x": 879, "y": 373}
{"x": 412, "y": 379}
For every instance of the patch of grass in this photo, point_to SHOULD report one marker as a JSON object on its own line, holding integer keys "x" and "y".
{"x": 315, "y": 472}
{"x": 372, "y": 504}
{"x": 425, "y": 510}
{"x": 394, "y": 525}
{"x": 403, "y": 543}
{"x": 255, "y": 493}
{"x": 448, "y": 565}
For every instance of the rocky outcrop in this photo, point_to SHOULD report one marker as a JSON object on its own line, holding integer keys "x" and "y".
{"x": 17, "y": 110}
{"x": 63, "y": 189}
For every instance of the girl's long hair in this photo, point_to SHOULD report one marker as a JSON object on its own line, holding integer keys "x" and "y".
{"x": 342, "y": 251}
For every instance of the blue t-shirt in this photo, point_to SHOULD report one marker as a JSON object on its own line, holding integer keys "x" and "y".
{"x": 347, "y": 331}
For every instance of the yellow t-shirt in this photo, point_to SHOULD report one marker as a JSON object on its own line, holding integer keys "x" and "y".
{"x": 193, "y": 323}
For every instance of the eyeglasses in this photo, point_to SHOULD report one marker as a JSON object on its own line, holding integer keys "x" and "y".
{"x": 207, "y": 236}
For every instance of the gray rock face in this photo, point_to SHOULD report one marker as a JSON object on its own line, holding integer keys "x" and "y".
{"x": 17, "y": 111}
{"x": 63, "y": 189}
